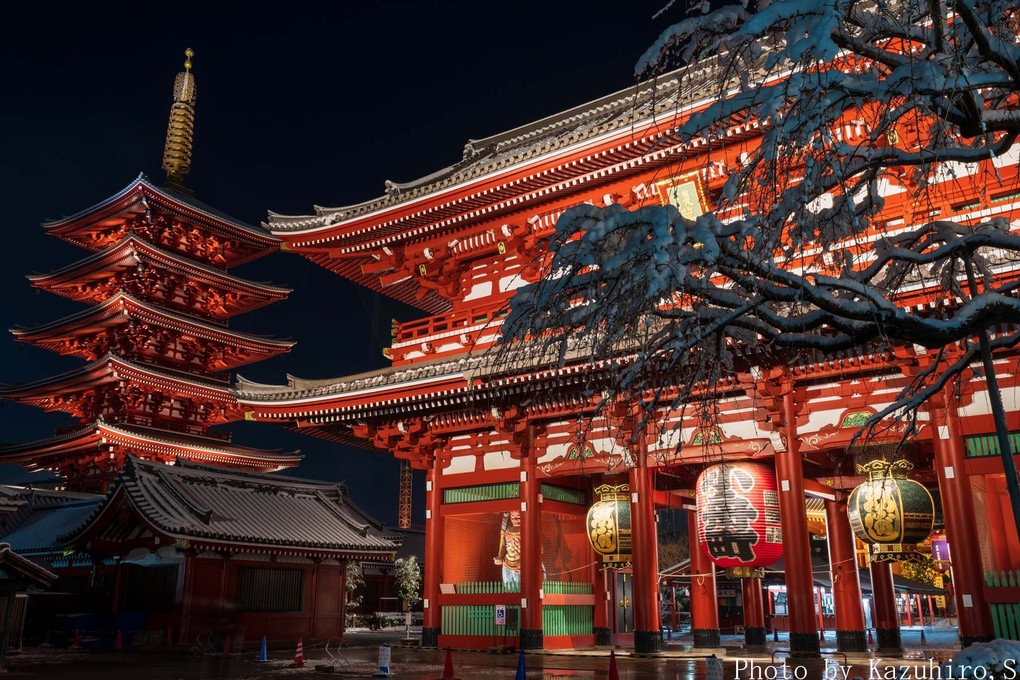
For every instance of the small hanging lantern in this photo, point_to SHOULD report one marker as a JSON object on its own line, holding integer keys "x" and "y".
{"x": 739, "y": 526}
{"x": 608, "y": 525}
{"x": 890, "y": 512}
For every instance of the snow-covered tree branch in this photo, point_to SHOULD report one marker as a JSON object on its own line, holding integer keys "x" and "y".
{"x": 886, "y": 132}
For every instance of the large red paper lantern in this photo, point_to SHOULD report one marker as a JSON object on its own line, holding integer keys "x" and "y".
{"x": 738, "y": 515}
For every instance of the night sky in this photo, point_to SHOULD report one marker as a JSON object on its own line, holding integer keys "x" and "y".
{"x": 302, "y": 103}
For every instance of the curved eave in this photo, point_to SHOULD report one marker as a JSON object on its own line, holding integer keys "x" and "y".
{"x": 122, "y": 306}
{"x": 482, "y": 162}
{"x": 111, "y": 368}
{"x": 132, "y": 250}
{"x": 199, "y": 449}
{"x": 129, "y": 199}
{"x": 407, "y": 291}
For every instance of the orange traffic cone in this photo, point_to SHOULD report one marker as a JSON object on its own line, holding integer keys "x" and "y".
{"x": 77, "y": 640}
{"x": 614, "y": 674}
{"x": 169, "y": 636}
{"x": 46, "y": 639}
{"x": 118, "y": 642}
{"x": 448, "y": 667}
{"x": 299, "y": 656}
{"x": 821, "y": 635}
{"x": 226, "y": 647}
{"x": 871, "y": 638}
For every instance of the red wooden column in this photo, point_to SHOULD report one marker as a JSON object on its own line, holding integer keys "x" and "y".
{"x": 432, "y": 622}
{"x": 883, "y": 607}
{"x": 796, "y": 542}
{"x": 704, "y": 599}
{"x": 600, "y": 622}
{"x": 961, "y": 528}
{"x": 531, "y": 545}
{"x": 754, "y": 612}
{"x": 645, "y": 554}
{"x": 846, "y": 582}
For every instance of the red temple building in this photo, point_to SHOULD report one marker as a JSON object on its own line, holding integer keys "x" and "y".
{"x": 155, "y": 332}
{"x": 513, "y": 463}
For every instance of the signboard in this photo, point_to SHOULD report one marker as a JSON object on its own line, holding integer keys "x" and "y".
{"x": 500, "y": 617}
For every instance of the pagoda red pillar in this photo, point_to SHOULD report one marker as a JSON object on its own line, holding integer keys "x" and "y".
{"x": 600, "y": 622}
{"x": 704, "y": 598}
{"x": 796, "y": 542}
{"x": 432, "y": 622}
{"x": 846, "y": 582}
{"x": 883, "y": 607}
{"x": 645, "y": 554}
{"x": 531, "y": 545}
{"x": 961, "y": 528}
{"x": 754, "y": 612}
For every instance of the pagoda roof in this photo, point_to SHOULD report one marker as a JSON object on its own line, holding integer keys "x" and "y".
{"x": 122, "y": 307}
{"x": 200, "y": 505}
{"x": 133, "y": 249}
{"x": 133, "y": 198}
{"x": 113, "y": 367}
{"x": 45, "y": 453}
{"x": 40, "y": 530}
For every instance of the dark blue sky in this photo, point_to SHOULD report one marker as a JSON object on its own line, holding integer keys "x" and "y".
{"x": 298, "y": 103}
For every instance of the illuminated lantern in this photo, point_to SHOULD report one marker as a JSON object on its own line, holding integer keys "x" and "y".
{"x": 608, "y": 525}
{"x": 738, "y": 517}
{"x": 890, "y": 512}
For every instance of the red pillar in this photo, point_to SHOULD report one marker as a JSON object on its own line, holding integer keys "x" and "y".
{"x": 704, "y": 599}
{"x": 910, "y": 610}
{"x": 796, "y": 542}
{"x": 432, "y": 622}
{"x": 961, "y": 528}
{"x": 996, "y": 528}
{"x": 754, "y": 612}
{"x": 531, "y": 546}
{"x": 883, "y": 607}
{"x": 601, "y": 615}
{"x": 644, "y": 551}
{"x": 920, "y": 611}
{"x": 846, "y": 582}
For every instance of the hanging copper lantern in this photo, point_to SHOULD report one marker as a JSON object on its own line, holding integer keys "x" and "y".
{"x": 890, "y": 512}
{"x": 608, "y": 525}
{"x": 739, "y": 526}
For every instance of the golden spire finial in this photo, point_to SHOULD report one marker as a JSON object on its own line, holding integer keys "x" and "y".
{"x": 181, "y": 129}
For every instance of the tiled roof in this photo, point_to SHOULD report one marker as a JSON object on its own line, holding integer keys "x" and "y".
{"x": 152, "y": 253}
{"x": 42, "y": 526}
{"x": 301, "y": 388}
{"x": 14, "y": 567}
{"x": 167, "y": 194}
{"x": 618, "y": 110}
{"x": 208, "y": 505}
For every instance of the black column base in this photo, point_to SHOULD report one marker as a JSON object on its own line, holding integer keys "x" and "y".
{"x": 430, "y": 637}
{"x": 706, "y": 638}
{"x": 851, "y": 641}
{"x": 647, "y": 641}
{"x": 804, "y": 644}
{"x": 754, "y": 636}
{"x": 968, "y": 640}
{"x": 531, "y": 639}
{"x": 602, "y": 636}
{"x": 888, "y": 638}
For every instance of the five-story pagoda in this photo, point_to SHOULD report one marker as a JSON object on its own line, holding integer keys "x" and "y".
{"x": 156, "y": 330}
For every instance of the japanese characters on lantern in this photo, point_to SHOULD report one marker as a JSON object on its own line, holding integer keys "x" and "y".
{"x": 738, "y": 515}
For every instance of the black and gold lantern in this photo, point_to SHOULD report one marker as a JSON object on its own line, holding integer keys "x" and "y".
{"x": 890, "y": 512}
{"x": 608, "y": 525}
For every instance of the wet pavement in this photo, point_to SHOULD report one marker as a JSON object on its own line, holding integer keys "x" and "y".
{"x": 427, "y": 664}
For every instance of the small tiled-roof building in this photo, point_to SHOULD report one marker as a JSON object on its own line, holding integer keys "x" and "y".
{"x": 188, "y": 548}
